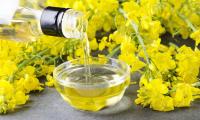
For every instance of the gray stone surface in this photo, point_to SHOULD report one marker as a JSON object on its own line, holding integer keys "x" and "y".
{"x": 48, "y": 105}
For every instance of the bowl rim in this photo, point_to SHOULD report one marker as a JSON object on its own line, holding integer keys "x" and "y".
{"x": 121, "y": 78}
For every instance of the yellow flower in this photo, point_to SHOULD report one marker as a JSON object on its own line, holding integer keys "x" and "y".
{"x": 117, "y": 37}
{"x": 132, "y": 8}
{"x": 143, "y": 81}
{"x": 10, "y": 105}
{"x": 28, "y": 83}
{"x": 153, "y": 33}
{"x": 103, "y": 43}
{"x": 103, "y": 59}
{"x": 109, "y": 24}
{"x": 92, "y": 4}
{"x": 47, "y": 69}
{"x": 69, "y": 58}
{"x": 145, "y": 23}
{"x": 163, "y": 61}
{"x": 194, "y": 18}
{"x": 176, "y": 4}
{"x": 119, "y": 21}
{"x": 21, "y": 98}
{"x": 91, "y": 32}
{"x": 183, "y": 95}
{"x": 196, "y": 36}
{"x": 94, "y": 24}
{"x": 107, "y": 6}
{"x": 8, "y": 67}
{"x": 196, "y": 93}
{"x": 153, "y": 93}
{"x": 54, "y": 51}
{"x": 162, "y": 103}
{"x": 6, "y": 96}
{"x": 79, "y": 5}
{"x": 133, "y": 61}
{"x": 50, "y": 81}
{"x": 158, "y": 86}
{"x": 28, "y": 70}
{"x": 32, "y": 83}
{"x": 128, "y": 46}
{"x": 79, "y": 52}
{"x": 166, "y": 12}
{"x": 60, "y": 3}
{"x": 188, "y": 64}
{"x": 6, "y": 89}
{"x": 93, "y": 44}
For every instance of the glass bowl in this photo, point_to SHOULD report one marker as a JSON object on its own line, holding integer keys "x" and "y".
{"x": 103, "y": 87}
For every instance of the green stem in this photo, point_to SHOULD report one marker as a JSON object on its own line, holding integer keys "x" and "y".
{"x": 25, "y": 62}
{"x": 114, "y": 51}
{"x": 182, "y": 5}
{"x": 139, "y": 37}
{"x": 140, "y": 40}
{"x": 189, "y": 24}
{"x": 187, "y": 21}
{"x": 28, "y": 61}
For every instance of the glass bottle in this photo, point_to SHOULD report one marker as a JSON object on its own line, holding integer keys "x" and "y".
{"x": 26, "y": 24}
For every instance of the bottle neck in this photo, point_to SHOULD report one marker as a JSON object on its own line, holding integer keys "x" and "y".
{"x": 31, "y": 12}
{"x": 29, "y": 16}
{"x": 63, "y": 22}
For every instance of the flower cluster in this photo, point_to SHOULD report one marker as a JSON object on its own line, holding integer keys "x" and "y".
{"x": 127, "y": 29}
{"x": 173, "y": 80}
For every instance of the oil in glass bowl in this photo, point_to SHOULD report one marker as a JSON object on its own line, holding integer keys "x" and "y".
{"x": 105, "y": 86}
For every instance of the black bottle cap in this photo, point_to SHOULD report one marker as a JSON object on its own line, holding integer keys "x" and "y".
{"x": 51, "y": 20}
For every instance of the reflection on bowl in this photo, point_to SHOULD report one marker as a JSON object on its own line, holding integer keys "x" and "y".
{"x": 104, "y": 87}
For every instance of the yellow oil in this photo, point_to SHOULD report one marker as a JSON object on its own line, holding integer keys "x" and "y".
{"x": 105, "y": 88}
